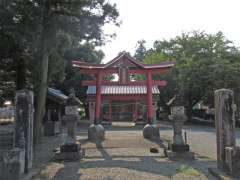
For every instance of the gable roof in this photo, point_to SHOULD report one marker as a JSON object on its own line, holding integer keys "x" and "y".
{"x": 123, "y": 56}
{"x": 119, "y": 59}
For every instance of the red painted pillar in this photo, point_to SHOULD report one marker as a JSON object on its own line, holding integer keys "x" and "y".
{"x": 137, "y": 110}
{"x": 110, "y": 111}
{"x": 98, "y": 98}
{"x": 149, "y": 97}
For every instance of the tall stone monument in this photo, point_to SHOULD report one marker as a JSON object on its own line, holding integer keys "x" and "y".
{"x": 228, "y": 155}
{"x": 24, "y": 113}
{"x": 70, "y": 149}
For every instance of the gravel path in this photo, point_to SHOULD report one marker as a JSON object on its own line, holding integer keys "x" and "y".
{"x": 125, "y": 155}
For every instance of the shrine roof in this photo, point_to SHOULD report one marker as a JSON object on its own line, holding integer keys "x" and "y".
{"x": 56, "y": 95}
{"x": 124, "y": 89}
{"x": 122, "y": 59}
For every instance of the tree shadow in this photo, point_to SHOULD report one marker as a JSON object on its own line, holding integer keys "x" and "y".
{"x": 70, "y": 171}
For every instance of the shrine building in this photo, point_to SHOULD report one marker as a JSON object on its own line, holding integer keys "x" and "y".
{"x": 123, "y": 98}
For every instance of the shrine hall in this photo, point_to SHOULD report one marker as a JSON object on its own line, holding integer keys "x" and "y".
{"x": 125, "y": 98}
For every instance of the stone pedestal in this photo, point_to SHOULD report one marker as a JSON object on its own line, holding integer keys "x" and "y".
{"x": 151, "y": 131}
{"x": 96, "y": 132}
{"x": 178, "y": 149}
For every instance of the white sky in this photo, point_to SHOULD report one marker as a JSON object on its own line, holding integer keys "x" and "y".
{"x": 163, "y": 19}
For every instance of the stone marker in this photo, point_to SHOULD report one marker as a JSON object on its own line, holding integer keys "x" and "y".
{"x": 70, "y": 149}
{"x": 228, "y": 155}
{"x": 178, "y": 149}
{"x": 151, "y": 131}
{"x": 24, "y": 112}
{"x": 96, "y": 132}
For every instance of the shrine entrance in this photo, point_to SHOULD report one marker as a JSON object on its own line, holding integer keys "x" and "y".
{"x": 125, "y": 99}
{"x": 120, "y": 111}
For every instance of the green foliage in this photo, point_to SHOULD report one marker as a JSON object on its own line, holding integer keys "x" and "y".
{"x": 140, "y": 50}
{"x": 188, "y": 171}
{"x": 204, "y": 63}
{"x": 86, "y": 53}
{"x": 64, "y": 24}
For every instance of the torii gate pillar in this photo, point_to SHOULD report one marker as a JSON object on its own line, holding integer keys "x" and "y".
{"x": 96, "y": 131}
{"x": 149, "y": 98}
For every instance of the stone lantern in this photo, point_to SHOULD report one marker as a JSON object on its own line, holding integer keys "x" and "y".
{"x": 179, "y": 148}
{"x": 70, "y": 149}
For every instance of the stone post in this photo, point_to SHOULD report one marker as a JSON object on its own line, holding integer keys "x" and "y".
{"x": 224, "y": 123}
{"x": 24, "y": 113}
{"x": 178, "y": 117}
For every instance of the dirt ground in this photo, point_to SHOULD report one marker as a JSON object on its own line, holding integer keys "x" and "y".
{"x": 125, "y": 154}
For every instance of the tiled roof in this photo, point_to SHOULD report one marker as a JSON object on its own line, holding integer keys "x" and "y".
{"x": 122, "y": 90}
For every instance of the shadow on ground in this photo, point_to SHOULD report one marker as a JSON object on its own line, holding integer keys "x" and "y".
{"x": 148, "y": 164}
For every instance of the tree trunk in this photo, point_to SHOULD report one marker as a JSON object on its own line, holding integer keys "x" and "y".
{"x": 41, "y": 95}
{"x": 43, "y": 75}
{"x": 21, "y": 74}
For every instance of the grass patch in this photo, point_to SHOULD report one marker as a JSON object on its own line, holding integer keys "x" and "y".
{"x": 188, "y": 170}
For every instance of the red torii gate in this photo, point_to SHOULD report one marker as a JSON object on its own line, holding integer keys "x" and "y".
{"x": 124, "y": 65}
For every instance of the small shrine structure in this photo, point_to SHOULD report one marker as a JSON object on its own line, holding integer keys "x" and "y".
{"x": 125, "y": 90}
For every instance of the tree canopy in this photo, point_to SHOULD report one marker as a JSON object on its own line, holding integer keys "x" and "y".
{"x": 37, "y": 35}
{"x": 204, "y": 63}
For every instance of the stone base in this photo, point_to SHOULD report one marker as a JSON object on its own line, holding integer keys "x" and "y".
{"x": 180, "y": 148}
{"x": 70, "y": 148}
{"x": 180, "y": 155}
{"x": 151, "y": 131}
{"x": 69, "y": 152}
{"x": 96, "y": 132}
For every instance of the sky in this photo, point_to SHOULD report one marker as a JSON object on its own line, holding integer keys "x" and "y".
{"x": 164, "y": 19}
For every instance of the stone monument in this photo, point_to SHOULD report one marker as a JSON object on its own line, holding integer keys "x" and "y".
{"x": 96, "y": 132}
{"x": 228, "y": 154}
{"x": 24, "y": 111}
{"x": 70, "y": 149}
{"x": 178, "y": 149}
{"x": 151, "y": 130}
